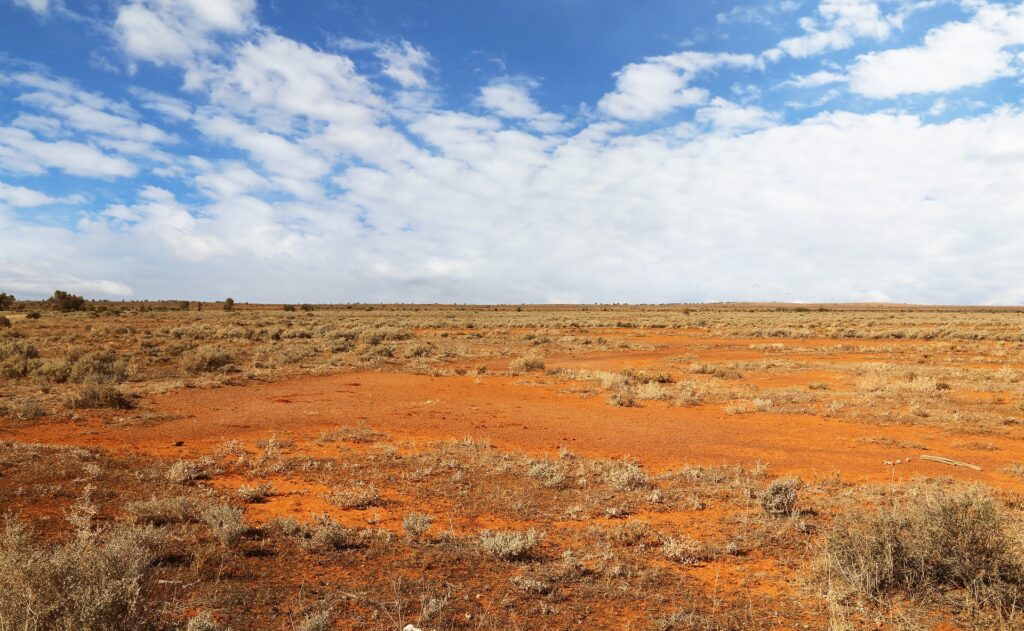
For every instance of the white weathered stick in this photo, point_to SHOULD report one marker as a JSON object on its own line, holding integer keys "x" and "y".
{"x": 955, "y": 463}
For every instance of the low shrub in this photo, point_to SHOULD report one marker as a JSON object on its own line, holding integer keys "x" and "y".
{"x": 358, "y": 496}
{"x": 31, "y": 409}
{"x": 185, "y": 471}
{"x": 163, "y": 511}
{"x": 255, "y": 494}
{"x": 780, "y": 498}
{"x": 626, "y": 476}
{"x": 87, "y": 584}
{"x": 97, "y": 396}
{"x": 935, "y": 540}
{"x": 205, "y": 622}
{"x": 417, "y": 524}
{"x": 326, "y": 535}
{"x": 684, "y": 550}
{"x": 227, "y": 523}
{"x": 17, "y": 359}
{"x": 317, "y": 621}
{"x": 204, "y": 359}
{"x": 510, "y": 545}
{"x": 527, "y": 363}
{"x": 98, "y": 367}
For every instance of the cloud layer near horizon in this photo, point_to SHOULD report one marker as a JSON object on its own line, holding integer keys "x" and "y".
{"x": 285, "y": 172}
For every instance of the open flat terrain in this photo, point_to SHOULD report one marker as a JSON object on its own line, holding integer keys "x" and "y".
{"x": 661, "y": 467}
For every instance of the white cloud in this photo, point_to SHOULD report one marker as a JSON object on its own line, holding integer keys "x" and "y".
{"x": 43, "y": 125}
{"x": 405, "y": 64}
{"x": 21, "y": 197}
{"x": 658, "y": 85}
{"x": 162, "y": 219}
{"x": 816, "y": 79}
{"x": 727, "y": 116}
{"x": 510, "y": 98}
{"x": 170, "y": 107}
{"x": 229, "y": 180}
{"x": 306, "y": 97}
{"x": 172, "y": 31}
{"x": 283, "y": 75}
{"x": 952, "y": 56}
{"x": 41, "y": 7}
{"x": 86, "y": 112}
{"x": 21, "y": 152}
{"x": 58, "y": 109}
{"x": 334, "y": 188}
{"x": 761, "y": 13}
{"x": 276, "y": 154}
{"x": 840, "y": 23}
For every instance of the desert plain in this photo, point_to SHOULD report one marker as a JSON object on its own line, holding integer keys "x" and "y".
{"x": 725, "y": 466}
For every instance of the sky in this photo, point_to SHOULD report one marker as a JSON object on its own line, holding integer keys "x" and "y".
{"x": 562, "y": 151}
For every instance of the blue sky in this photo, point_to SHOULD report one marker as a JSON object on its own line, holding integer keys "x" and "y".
{"x": 555, "y": 151}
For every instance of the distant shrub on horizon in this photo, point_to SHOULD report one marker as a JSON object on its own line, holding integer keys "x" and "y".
{"x": 64, "y": 301}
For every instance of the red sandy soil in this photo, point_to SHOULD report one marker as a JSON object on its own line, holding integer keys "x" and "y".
{"x": 526, "y": 413}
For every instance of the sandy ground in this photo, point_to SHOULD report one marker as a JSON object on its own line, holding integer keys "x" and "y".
{"x": 539, "y": 414}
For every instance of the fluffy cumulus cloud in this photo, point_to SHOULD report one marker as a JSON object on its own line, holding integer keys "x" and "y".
{"x": 282, "y": 170}
{"x": 511, "y": 99}
{"x": 658, "y": 85}
{"x": 952, "y": 56}
{"x": 838, "y": 25}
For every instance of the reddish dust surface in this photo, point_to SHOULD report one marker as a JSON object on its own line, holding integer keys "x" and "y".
{"x": 533, "y": 414}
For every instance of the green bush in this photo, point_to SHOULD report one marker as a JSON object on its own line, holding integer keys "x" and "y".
{"x": 64, "y": 301}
